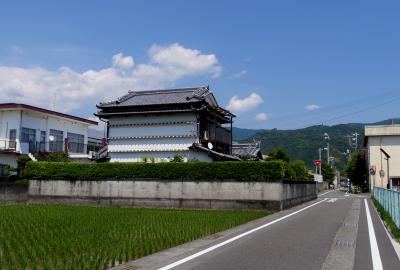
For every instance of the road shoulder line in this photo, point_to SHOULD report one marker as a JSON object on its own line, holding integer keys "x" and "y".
{"x": 376, "y": 258}
{"x": 395, "y": 244}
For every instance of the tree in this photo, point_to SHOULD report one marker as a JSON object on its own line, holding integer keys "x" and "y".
{"x": 278, "y": 153}
{"x": 301, "y": 170}
{"x": 356, "y": 169}
{"x": 327, "y": 172}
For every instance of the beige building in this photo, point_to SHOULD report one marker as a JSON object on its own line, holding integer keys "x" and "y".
{"x": 387, "y": 138}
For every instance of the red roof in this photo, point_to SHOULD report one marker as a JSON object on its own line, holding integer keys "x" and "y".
{"x": 41, "y": 110}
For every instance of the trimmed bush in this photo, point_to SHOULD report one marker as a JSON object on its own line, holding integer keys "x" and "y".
{"x": 246, "y": 170}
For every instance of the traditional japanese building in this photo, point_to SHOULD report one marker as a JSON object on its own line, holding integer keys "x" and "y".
{"x": 160, "y": 124}
{"x": 247, "y": 151}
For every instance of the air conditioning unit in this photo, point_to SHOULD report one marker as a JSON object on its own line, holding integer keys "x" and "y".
{"x": 205, "y": 137}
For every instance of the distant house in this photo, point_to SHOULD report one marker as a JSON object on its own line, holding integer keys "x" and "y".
{"x": 159, "y": 124}
{"x": 247, "y": 151}
{"x": 30, "y": 130}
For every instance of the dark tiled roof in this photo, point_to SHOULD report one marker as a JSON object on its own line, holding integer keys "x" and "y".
{"x": 215, "y": 155}
{"x": 160, "y": 97}
{"x": 251, "y": 150}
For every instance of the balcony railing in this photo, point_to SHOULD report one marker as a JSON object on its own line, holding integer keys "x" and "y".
{"x": 218, "y": 134}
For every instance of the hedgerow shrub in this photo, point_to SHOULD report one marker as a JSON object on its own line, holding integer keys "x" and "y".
{"x": 246, "y": 170}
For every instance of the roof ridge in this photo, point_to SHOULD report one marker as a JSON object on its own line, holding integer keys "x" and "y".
{"x": 173, "y": 90}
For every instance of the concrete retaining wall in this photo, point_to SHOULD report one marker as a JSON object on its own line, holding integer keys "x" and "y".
{"x": 273, "y": 195}
{"x": 13, "y": 193}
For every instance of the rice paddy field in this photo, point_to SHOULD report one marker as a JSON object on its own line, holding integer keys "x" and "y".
{"x": 84, "y": 237}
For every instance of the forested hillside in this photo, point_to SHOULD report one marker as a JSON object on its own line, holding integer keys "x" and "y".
{"x": 304, "y": 143}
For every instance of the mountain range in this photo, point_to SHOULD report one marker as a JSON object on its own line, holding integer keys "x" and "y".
{"x": 304, "y": 143}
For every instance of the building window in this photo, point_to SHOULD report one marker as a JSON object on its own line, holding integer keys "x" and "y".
{"x": 12, "y": 144}
{"x": 56, "y": 141}
{"x": 76, "y": 142}
{"x": 42, "y": 146}
{"x": 28, "y": 135}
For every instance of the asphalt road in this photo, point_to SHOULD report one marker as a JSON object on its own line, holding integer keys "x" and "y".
{"x": 330, "y": 233}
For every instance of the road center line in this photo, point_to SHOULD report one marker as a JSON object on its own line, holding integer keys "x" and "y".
{"x": 376, "y": 257}
{"x": 200, "y": 253}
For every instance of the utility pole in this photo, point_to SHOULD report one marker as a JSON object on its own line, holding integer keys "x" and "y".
{"x": 320, "y": 159}
{"x": 355, "y": 139}
{"x": 327, "y": 147}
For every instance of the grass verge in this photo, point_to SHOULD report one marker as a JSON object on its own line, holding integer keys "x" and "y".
{"x": 84, "y": 237}
{"x": 388, "y": 220}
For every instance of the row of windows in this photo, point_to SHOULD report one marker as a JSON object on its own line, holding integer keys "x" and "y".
{"x": 55, "y": 140}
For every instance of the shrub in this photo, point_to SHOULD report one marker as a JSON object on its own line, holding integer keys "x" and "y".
{"x": 177, "y": 158}
{"x": 22, "y": 161}
{"x": 246, "y": 170}
{"x": 56, "y": 157}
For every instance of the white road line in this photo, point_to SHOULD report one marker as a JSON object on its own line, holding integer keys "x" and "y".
{"x": 395, "y": 245}
{"x": 198, "y": 254}
{"x": 376, "y": 257}
{"x": 325, "y": 193}
{"x": 332, "y": 200}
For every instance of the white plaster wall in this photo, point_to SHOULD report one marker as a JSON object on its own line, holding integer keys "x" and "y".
{"x": 391, "y": 144}
{"x": 135, "y": 131}
{"x": 151, "y": 118}
{"x": 9, "y": 120}
{"x": 133, "y": 150}
{"x": 159, "y": 156}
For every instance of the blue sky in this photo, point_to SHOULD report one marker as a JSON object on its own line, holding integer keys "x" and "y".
{"x": 290, "y": 64}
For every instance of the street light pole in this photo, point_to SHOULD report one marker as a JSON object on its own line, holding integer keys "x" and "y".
{"x": 389, "y": 186}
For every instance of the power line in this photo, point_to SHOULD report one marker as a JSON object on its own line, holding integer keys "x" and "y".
{"x": 313, "y": 116}
{"x": 360, "y": 111}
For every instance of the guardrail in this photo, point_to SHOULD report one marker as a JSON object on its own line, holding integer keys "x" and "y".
{"x": 390, "y": 201}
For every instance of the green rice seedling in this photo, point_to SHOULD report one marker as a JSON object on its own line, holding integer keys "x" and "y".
{"x": 83, "y": 237}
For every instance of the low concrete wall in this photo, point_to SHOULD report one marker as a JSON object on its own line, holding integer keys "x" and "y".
{"x": 273, "y": 195}
{"x": 13, "y": 193}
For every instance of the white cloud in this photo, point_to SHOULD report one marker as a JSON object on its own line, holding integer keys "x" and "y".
{"x": 312, "y": 107}
{"x": 238, "y": 105}
{"x": 261, "y": 117}
{"x": 239, "y": 74}
{"x": 119, "y": 61}
{"x": 69, "y": 89}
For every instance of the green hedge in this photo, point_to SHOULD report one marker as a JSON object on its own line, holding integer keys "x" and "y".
{"x": 246, "y": 170}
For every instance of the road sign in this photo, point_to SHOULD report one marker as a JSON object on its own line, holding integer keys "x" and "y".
{"x": 317, "y": 162}
{"x": 372, "y": 170}
{"x": 382, "y": 173}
